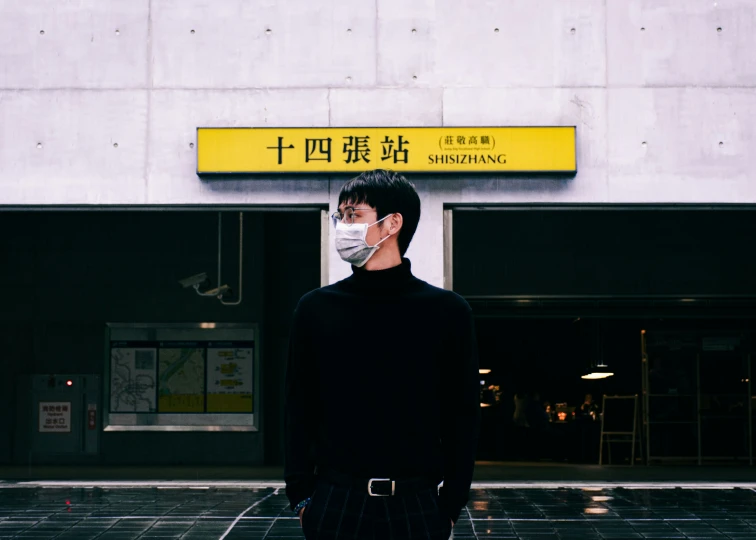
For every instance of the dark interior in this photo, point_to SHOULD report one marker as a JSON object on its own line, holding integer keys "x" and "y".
{"x": 556, "y": 291}
{"x": 66, "y": 274}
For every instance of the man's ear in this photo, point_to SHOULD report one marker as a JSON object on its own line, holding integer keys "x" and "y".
{"x": 395, "y": 222}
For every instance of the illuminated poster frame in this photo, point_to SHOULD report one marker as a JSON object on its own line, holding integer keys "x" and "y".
{"x": 181, "y": 377}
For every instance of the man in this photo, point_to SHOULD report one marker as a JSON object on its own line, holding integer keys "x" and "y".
{"x": 382, "y": 386}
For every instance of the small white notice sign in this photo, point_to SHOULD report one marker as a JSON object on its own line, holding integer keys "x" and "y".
{"x": 55, "y": 417}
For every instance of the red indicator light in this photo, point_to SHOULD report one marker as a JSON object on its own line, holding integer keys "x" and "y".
{"x": 69, "y": 382}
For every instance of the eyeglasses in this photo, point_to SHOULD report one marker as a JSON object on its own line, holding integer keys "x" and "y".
{"x": 346, "y": 217}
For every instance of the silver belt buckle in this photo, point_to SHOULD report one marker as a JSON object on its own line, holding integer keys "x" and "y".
{"x": 370, "y": 486}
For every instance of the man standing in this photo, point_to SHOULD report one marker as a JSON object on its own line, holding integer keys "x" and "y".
{"x": 382, "y": 385}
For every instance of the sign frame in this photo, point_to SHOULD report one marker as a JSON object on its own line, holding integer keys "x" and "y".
{"x": 371, "y": 165}
{"x": 207, "y": 332}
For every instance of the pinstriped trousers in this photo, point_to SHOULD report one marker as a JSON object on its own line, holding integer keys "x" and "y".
{"x": 338, "y": 512}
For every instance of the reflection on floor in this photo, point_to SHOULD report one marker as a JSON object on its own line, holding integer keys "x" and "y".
{"x": 210, "y": 512}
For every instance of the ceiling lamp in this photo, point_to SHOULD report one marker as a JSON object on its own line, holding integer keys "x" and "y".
{"x": 598, "y": 370}
{"x": 601, "y": 371}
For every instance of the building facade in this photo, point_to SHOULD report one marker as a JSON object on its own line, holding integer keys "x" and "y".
{"x": 100, "y": 102}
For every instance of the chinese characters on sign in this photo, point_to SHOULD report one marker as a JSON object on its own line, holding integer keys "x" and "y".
{"x": 400, "y": 155}
{"x": 280, "y": 149}
{"x": 54, "y": 417}
{"x": 355, "y": 149}
{"x": 318, "y": 147}
{"x": 334, "y": 150}
{"x": 472, "y": 140}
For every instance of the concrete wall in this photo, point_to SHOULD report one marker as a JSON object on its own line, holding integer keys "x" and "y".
{"x": 662, "y": 92}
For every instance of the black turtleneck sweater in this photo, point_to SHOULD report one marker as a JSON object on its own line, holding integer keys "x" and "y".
{"x": 382, "y": 382}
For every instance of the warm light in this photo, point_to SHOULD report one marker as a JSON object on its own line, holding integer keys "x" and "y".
{"x": 480, "y": 506}
{"x": 208, "y": 325}
{"x": 484, "y": 371}
{"x": 485, "y": 404}
{"x": 562, "y": 416}
{"x": 596, "y": 511}
{"x": 597, "y": 375}
{"x": 69, "y": 382}
{"x": 643, "y": 331}
{"x": 601, "y": 498}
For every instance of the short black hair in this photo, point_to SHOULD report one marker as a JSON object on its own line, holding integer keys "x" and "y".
{"x": 389, "y": 193}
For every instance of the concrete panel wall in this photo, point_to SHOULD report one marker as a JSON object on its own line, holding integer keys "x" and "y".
{"x": 74, "y": 44}
{"x": 73, "y": 146}
{"x": 172, "y": 162}
{"x": 682, "y": 144}
{"x": 681, "y": 43}
{"x": 238, "y": 44}
{"x": 677, "y": 75}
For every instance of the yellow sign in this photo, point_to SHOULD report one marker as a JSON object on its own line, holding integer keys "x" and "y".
{"x": 181, "y": 403}
{"x": 226, "y": 403}
{"x": 415, "y": 149}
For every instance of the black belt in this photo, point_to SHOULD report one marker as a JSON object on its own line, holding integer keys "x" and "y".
{"x": 379, "y": 487}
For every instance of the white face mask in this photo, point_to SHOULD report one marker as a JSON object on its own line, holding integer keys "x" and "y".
{"x": 351, "y": 242}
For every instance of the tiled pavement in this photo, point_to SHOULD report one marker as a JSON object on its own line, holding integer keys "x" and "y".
{"x": 212, "y": 512}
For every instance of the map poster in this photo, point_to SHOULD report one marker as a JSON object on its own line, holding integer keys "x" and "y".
{"x": 229, "y": 377}
{"x": 181, "y": 377}
{"x": 133, "y": 370}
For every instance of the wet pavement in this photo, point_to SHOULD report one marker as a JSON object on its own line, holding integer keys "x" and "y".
{"x": 228, "y": 511}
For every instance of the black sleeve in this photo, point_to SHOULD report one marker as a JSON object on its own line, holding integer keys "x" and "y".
{"x": 461, "y": 410}
{"x": 300, "y": 422}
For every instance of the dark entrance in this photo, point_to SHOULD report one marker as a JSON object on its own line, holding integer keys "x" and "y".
{"x": 559, "y": 290}
{"x": 66, "y": 274}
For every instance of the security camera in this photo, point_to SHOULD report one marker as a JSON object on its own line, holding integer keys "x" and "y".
{"x": 218, "y": 291}
{"x": 194, "y": 281}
